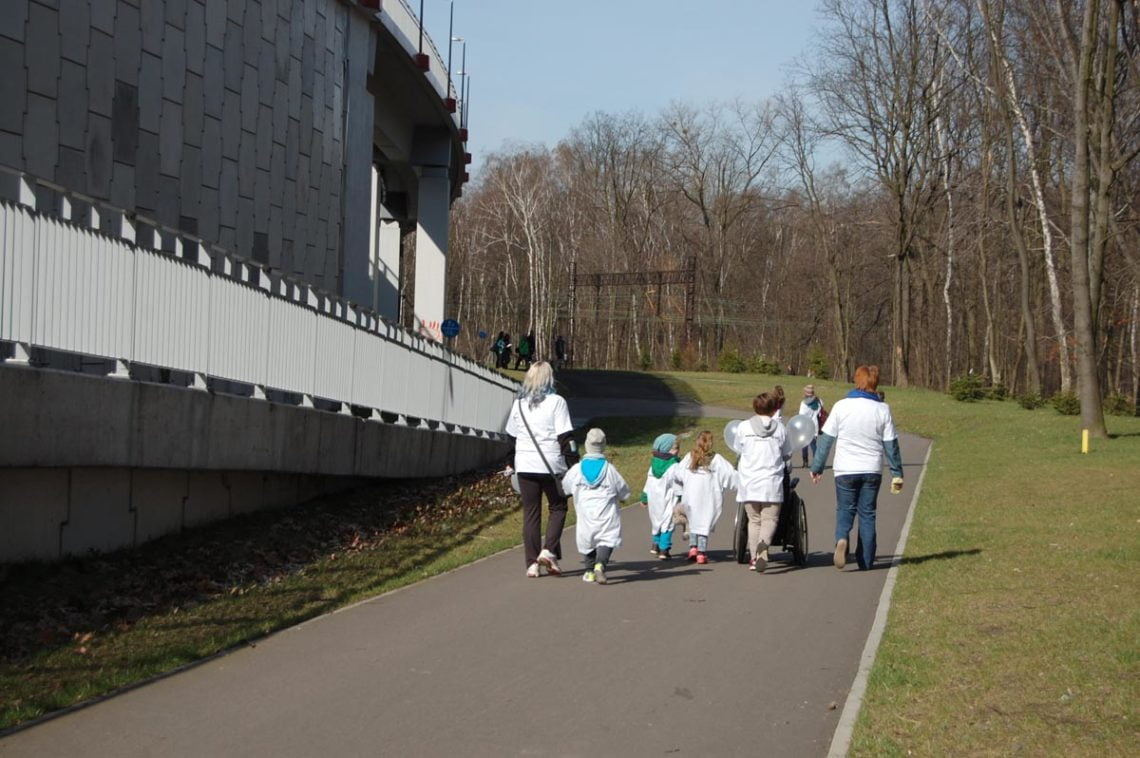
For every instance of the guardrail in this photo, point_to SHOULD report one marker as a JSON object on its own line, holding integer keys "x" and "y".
{"x": 399, "y": 18}
{"x": 67, "y": 284}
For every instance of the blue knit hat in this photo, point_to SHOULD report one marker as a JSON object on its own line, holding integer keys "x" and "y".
{"x": 664, "y": 443}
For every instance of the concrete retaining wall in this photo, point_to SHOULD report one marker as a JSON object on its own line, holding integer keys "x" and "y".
{"x": 94, "y": 463}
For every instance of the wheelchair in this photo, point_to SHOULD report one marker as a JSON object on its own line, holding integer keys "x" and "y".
{"x": 791, "y": 527}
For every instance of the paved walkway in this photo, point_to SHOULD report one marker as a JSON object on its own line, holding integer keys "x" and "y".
{"x": 669, "y": 659}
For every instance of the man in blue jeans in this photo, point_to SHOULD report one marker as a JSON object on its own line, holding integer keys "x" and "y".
{"x": 862, "y": 431}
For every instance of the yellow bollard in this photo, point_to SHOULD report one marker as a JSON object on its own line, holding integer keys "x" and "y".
{"x": 1085, "y": 441}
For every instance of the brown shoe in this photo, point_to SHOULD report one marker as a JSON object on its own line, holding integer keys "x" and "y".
{"x": 840, "y": 557}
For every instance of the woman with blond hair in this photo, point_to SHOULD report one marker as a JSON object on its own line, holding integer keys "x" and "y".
{"x": 703, "y": 476}
{"x": 540, "y": 423}
{"x": 861, "y": 429}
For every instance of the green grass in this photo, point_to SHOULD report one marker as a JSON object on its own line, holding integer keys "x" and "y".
{"x": 1025, "y": 638}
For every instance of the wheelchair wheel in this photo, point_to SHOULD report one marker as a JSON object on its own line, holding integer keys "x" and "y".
{"x": 800, "y": 543}
{"x": 740, "y": 535}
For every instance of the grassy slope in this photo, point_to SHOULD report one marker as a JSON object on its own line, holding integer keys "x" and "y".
{"x": 1021, "y": 631}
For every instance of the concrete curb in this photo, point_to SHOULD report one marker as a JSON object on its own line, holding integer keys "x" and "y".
{"x": 841, "y": 741}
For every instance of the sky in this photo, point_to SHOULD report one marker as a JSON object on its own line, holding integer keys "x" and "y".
{"x": 539, "y": 67}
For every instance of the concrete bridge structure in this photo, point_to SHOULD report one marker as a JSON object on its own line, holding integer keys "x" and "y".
{"x": 223, "y": 262}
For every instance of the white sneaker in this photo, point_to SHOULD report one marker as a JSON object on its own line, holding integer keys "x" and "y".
{"x": 547, "y": 559}
{"x": 532, "y": 571}
{"x": 760, "y": 562}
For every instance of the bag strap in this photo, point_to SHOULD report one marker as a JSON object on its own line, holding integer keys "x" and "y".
{"x": 537, "y": 447}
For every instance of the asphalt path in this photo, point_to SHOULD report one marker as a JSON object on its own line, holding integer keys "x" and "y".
{"x": 669, "y": 658}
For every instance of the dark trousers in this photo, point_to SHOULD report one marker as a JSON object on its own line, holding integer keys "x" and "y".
{"x": 532, "y": 488}
{"x": 600, "y": 554}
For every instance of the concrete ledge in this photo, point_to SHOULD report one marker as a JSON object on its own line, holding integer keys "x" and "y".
{"x": 64, "y": 419}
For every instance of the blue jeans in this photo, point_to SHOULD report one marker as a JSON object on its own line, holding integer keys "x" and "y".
{"x": 857, "y": 493}
{"x": 805, "y": 451}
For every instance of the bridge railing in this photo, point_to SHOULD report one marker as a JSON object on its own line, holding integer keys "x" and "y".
{"x": 404, "y": 24}
{"x": 99, "y": 283}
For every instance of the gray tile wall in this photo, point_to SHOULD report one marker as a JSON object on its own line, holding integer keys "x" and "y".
{"x": 223, "y": 118}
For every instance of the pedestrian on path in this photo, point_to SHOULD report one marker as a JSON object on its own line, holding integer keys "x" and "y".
{"x": 861, "y": 429}
{"x": 526, "y": 345}
{"x": 540, "y": 423}
{"x": 597, "y": 488}
{"x": 760, "y": 472}
{"x": 661, "y": 499}
{"x": 703, "y": 476}
{"x": 781, "y": 398}
{"x": 812, "y": 406}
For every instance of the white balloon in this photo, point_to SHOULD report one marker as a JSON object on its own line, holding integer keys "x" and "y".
{"x": 730, "y": 435}
{"x": 801, "y": 431}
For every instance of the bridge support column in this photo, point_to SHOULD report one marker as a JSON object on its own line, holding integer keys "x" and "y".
{"x": 434, "y": 199}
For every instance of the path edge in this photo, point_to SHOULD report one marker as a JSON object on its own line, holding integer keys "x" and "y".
{"x": 845, "y": 729}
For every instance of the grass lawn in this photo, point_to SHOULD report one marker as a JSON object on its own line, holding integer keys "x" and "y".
{"x": 81, "y": 628}
{"x": 1028, "y": 639}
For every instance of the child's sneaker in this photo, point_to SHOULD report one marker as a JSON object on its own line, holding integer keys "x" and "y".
{"x": 532, "y": 571}
{"x": 547, "y": 559}
{"x": 653, "y": 550}
{"x": 588, "y": 576}
{"x": 693, "y": 553}
{"x": 664, "y": 555}
{"x": 702, "y": 558}
{"x": 760, "y": 562}
{"x": 599, "y": 573}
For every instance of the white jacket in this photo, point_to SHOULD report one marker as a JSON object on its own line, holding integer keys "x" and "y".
{"x": 596, "y": 503}
{"x": 760, "y": 470}
{"x": 662, "y": 497}
{"x": 702, "y": 490}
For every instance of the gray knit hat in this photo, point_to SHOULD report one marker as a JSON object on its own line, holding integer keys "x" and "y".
{"x": 595, "y": 442}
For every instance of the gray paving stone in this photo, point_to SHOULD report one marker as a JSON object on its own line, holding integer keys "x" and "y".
{"x": 304, "y": 181}
{"x": 102, "y": 14}
{"x": 128, "y": 44}
{"x": 190, "y": 180}
{"x": 305, "y": 131}
{"x": 309, "y": 17}
{"x": 123, "y": 186}
{"x": 277, "y": 175}
{"x": 192, "y": 110}
{"x": 150, "y": 92}
{"x": 247, "y": 163}
{"x": 228, "y": 193}
{"x": 318, "y": 98}
{"x": 195, "y": 37}
{"x": 12, "y": 21}
{"x": 41, "y": 50}
{"x": 213, "y": 82}
{"x": 216, "y": 23}
{"x": 231, "y": 124}
{"x": 251, "y": 32}
{"x": 101, "y": 73}
{"x": 296, "y": 19}
{"x": 71, "y": 169}
{"x": 282, "y": 49}
{"x": 173, "y": 63}
{"x": 211, "y": 151}
{"x": 232, "y": 57}
{"x": 13, "y": 86}
{"x": 265, "y": 72}
{"x": 74, "y": 32}
{"x": 264, "y": 136}
{"x": 294, "y": 89}
{"x": 268, "y": 19}
{"x": 169, "y": 210}
{"x": 308, "y": 64}
{"x": 125, "y": 123}
{"x": 170, "y": 138}
{"x": 280, "y": 112}
{"x": 261, "y": 198}
{"x": 146, "y": 171}
{"x": 249, "y": 102}
{"x": 176, "y": 12}
{"x": 99, "y": 156}
{"x": 153, "y": 27}
{"x": 236, "y": 11}
{"x": 41, "y": 136}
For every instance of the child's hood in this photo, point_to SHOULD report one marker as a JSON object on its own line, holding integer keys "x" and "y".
{"x": 763, "y": 426}
{"x": 593, "y": 469}
{"x": 662, "y": 463}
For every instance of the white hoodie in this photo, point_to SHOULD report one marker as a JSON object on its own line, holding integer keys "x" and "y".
{"x": 760, "y": 470}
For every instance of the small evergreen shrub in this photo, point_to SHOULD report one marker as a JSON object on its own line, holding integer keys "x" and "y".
{"x": 1118, "y": 405}
{"x": 730, "y": 362}
{"x": 968, "y": 388}
{"x": 997, "y": 391}
{"x": 761, "y": 365}
{"x": 703, "y": 366}
{"x": 818, "y": 365}
{"x": 1067, "y": 404}
{"x": 1031, "y": 401}
{"x": 676, "y": 360}
{"x": 645, "y": 361}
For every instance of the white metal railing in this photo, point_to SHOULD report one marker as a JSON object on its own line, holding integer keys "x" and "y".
{"x": 65, "y": 286}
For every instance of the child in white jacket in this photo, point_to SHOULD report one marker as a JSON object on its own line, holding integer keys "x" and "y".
{"x": 703, "y": 476}
{"x": 597, "y": 488}
{"x": 660, "y": 499}
{"x": 760, "y": 474}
